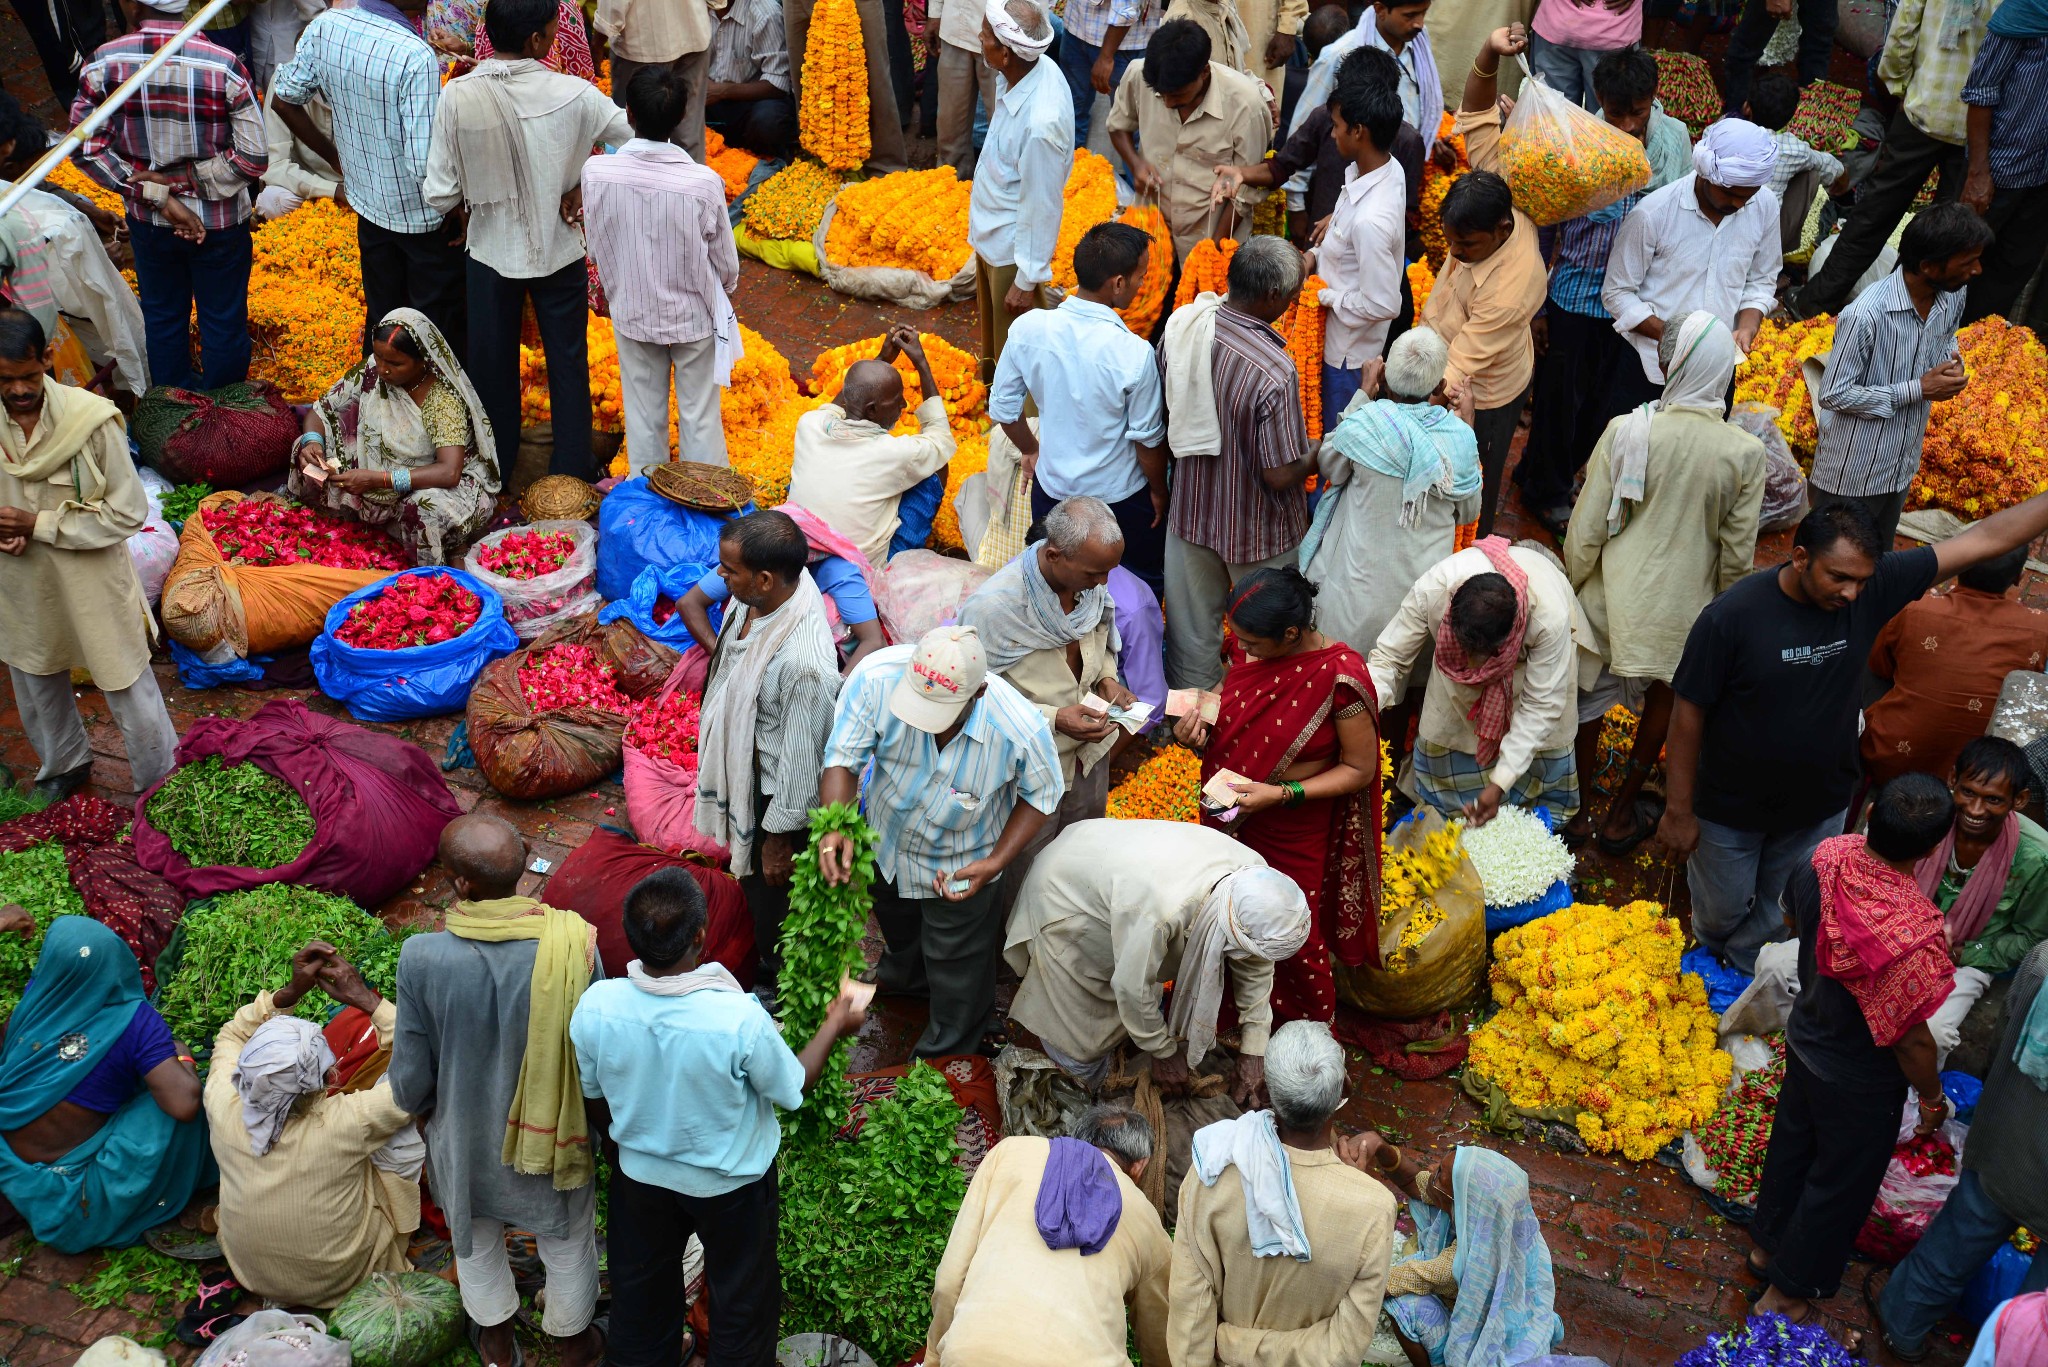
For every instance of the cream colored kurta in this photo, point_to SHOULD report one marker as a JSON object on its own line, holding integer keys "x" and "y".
{"x": 1234, "y": 1309}
{"x": 1368, "y": 560}
{"x": 1049, "y": 682}
{"x": 72, "y": 598}
{"x": 1003, "y": 1299}
{"x": 1229, "y": 40}
{"x": 308, "y": 1221}
{"x": 1099, "y": 928}
{"x": 1692, "y": 535}
{"x": 1261, "y": 19}
{"x": 854, "y": 475}
{"x": 1231, "y": 126}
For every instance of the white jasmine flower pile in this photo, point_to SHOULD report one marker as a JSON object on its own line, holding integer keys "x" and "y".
{"x": 1516, "y": 858}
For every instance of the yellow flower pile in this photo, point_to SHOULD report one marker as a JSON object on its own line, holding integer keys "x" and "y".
{"x": 832, "y": 119}
{"x": 1410, "y": 876}
{"x": 1164, "y": 788}
{"x": 958, "y": 374}
{"x": 1595, "y": 1014}
{"x": 759, "y": 410}
{"x": 607, "y": 409}
{"x": 1771, "y": 375}
{"x": 970, "y": 457}
{"x": 735, "y": 166}
{"x": 67, "y": 176}
{"x": 1143, "y": 314}
{"x": 788, "y": 205}
{"x": 306, "y": 300}
{"x": 916, "y": 220}
{"x": 1090, "y": 199}
{"x": 1984, "y": 448}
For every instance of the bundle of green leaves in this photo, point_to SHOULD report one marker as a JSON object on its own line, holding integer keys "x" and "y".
{"x": 231, "y": 814}
{"x": 36, "y": 880}
{"x": 821, "y": 945}
{"x": 242, "y": 943}
{"x": 181, "y": 502}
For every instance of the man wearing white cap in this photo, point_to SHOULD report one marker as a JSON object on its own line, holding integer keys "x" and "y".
{"x": 965, "y": 772}
{"x": 1707, "y": 241}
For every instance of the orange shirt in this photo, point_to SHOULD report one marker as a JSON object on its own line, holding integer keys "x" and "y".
{"x": 1946, "y": 655}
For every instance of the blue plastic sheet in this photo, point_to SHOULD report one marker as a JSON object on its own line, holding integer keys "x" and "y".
{"x": 196, "y": 673}
{"x": 1962, "y": 1092}
{"x": 422, "y": 681}
{"x": 638, "y": 530}
{"x": 637, "y": 606}
{"x": 1997, "y": 1281}
{"x": 1724, "y": 984}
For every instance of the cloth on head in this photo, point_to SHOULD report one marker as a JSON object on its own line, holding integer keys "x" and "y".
{"x": 1971, "y": 911}
{"x": 1188, "y": 347}
{"x": 547, "y": 1132}
{"x": 77, "y": 1006}
{"x": 2022, "y": 1334}
{"x": 1017, "y": 612}
{"x": 709, "y": 977}
{"x": 1429, "y": 449}
{"x": 2021, "y": 19}
{"x": 1735, "y": 154}
{"x": 1011, "y": 34}
{"x": 1078, "y": 1201}
{"x": 1272, "y": 1212}
{"x": 1701, "y": 367}
{"x": 732, "y": 698}
{"x": 285, "y": 1059}
{"x": 1256, "y": 913}
{"x": 62, "y": 440}
{"x": 378, "y": 426}
{"x": 1881, "y": 938}
{"x": 1494, "y": 676}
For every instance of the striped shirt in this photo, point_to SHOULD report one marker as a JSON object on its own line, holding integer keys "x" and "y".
{"x": 655, "y": 224}
{"x": 1220, "y": 501}
{"x": 383, "y": 83}
{"x": 935, "y": 810}
{"x": 197, "y": 121}
{"x": 1089, "y": 20}
{"x": 1871, "y": 413}
{"x": 1796, "y": 154}
{"x": 1578, "y": 258}
{"x": 751, "y": 44}
{"x": 2019, "y": 124}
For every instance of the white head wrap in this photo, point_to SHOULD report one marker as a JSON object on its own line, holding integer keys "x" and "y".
{"x": 1255, "y": 913}
{"x": 1702, "y": 363}
{"x": 1011, "y": 34}
{"x": 171, "y": 7}
{"x": 285, "y": 1059}
{"x": 1736, "y": 154}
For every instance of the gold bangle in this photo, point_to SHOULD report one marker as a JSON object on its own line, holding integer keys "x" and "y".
{"x": 1488, "y": 75}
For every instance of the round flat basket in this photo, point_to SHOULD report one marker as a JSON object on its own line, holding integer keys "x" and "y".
{"x": 706, "y": 488}
{"x": 558, "y": 498}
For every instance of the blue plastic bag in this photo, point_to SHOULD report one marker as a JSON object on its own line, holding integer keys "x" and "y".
{"x": 1963, "y": 1092}
{"x": 195, "y": 673}
{"x": 637, "y": 606}
{"x": 1557, "y": 898}
{"x": 1724, "y": 984}
{"x": 421, "y": 681}
{"x": 638, "y": 529}
{"x": 1999, "y": 1280}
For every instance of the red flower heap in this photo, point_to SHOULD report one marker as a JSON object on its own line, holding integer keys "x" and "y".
{"x": 263, "y": 531}
{"x": 412, "y": 610}
{"x": 570, "y": 675}
{"x": 527, "y": 555}
{"x": 666, "y": 728}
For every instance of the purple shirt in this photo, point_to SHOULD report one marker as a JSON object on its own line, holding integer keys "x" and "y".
{"x": 118, "y": 1075}
{"x": 656, "y": 227}
{"x": 1141, "y": 664}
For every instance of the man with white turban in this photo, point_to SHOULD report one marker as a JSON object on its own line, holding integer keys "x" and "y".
{"x": 1112, "y": 911}
{"x": 1706, "y": 241}
{"x": 316, "y": 1191}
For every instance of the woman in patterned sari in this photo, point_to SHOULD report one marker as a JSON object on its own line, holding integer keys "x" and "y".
{"x": 1299, "y": 719}
{"x": 410, "y": 435}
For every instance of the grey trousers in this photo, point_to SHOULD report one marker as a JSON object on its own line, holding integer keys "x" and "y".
{"x": 946, "y": 949}
{"x": 886, "y": 151}
{"x": 49, "y": 714}
{"x": 1738, "y": 884}
{"x": 1197, "y": 584}
{"x": 647, "y": 373}
{"x": 695, "y": 66}
{"x": 961, "y": 75}
{"x": 1086, "y": 798}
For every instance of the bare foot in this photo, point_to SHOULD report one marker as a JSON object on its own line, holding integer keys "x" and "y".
{"x": 1776, "y": 1302}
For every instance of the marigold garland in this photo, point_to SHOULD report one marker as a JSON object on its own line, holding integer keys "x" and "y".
{"x": 915, "y": 220}
{"x": 1436, "y": 183}
{"x": 735, "y": 166}
{"x": 788, "y": 205}
{"x": 1143, "y": 313}
{"x": 1164, "y": 788}
{"x": 66, "y": 176}
{"x": 832, "y": 116}
{"x": 1302, "y": 326}
{"x": 306, "y": 299}
{"x": 1090, "y": 198}
{"x": 1206, "y": 271}
{"x": 958, "y": 375}
{"x": 1421, "y": 280}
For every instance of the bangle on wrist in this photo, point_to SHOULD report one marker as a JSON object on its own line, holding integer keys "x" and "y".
{"x": 401, "y": 480}
{"x": 1485, "y": 75}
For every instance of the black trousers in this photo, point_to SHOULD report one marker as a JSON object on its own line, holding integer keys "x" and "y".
{"x": 1575, "y": 397}
{"x": 767, "y": 128}
{"x": 1884, "y": 509}
{"x": 65, "y": 34}
{"x": 1495, "y": 429}
{"x": 1905, "y": 161}
{"x": 1829, "y": 1148}
{"x": 945, "y": 948}
{"x": 1144, "y": 544}
{"x": 1817, "y": 22}
{"x": 649, "y": 1226}
{"x": 768, "y": 908}
{"x": 560, "y": 306}
{"x": 424, "y": 271}
{"x": 2020, "y": 218}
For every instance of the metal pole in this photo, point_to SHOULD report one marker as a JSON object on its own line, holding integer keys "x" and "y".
{"x": 119, "y": 97}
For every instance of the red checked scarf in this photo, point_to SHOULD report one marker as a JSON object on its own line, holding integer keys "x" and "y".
{"x": 1493, "y": 677}
{"x": 1881, "y": 938}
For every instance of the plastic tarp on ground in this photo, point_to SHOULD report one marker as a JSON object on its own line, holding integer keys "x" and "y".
{"x": 419, "y": 681}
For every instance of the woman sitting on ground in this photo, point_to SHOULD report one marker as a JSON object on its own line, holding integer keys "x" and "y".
{"x": 409, "y": 433}
{"x": 99, "y": 1106}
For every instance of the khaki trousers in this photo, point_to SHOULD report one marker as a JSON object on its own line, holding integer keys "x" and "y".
{"x": 961, "y": 75}
{"x": 647, "y": 373}
{"x": 887, "y": 151}
{"x": 991, "y": 285}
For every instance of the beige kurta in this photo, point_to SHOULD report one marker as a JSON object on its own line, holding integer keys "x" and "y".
{"x": 1003, "y": 1299}
{"x": 1045, "y": 677}
{"x": 1231, "y": 126}
{"x": 73, "y": 600}
{"x": 1100, "y": 925}
{"x": 1261, "y": 19}
{"x": 1692, "y": 535}
{"x": 1232, "y": 1308}
{"x": 1229, "y": 41}
{"x": 1483, "y": 311}
{"x": 1368, "y": 560}
{"x": 308, "y": 1221}
{"x": 853, "y": 474}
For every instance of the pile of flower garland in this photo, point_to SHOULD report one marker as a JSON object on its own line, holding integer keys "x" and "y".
{"x": 916, "y": 220}
{"x": 1686, "y": 87}
{"x": 1143, "y": 313}
{"x": 269, "y": 531}
{"x": 570, "y": 675}
{"x": 958, "y": 375}
{"x": 1516, "y": 857}
{"x": 1825, "y": 117}
{"x": 1771, "y": 375}
{"x": 735, "y": 165}
{"x": 1164, "y": 788}
{"x": 1090, "y": 197}
{"x": 1594, "y": 1014}
{"x": 789, "y": 204}
{"x": 412, "y": 610}
{"x": 607, "y": 408}
{"x": 1735, "y": 1140}
{"x": 306, "y": 300}
{"x": 759, "y": 410}
{"x": 1409, "y": 876}
{"x": 832, "y": 114}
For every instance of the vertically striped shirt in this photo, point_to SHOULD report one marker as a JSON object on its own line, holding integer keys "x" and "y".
{"x": 1220, "y": 501}
{"x": 1871, "y": 412}
{"x": 654, "y": 222}
{"x": 2010, "y": 78}
{"x": 935, "y": 811}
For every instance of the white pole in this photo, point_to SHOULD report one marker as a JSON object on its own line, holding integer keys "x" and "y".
{"x": 120, "y": 96}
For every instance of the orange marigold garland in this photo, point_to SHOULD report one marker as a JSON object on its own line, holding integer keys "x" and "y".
{"x": 1164, "y": 788}
{"x": 1206, "y": 271}
{"x": 788, "y": 205}
{"x": 306, "y": 300}
{"x": 1436, "y": 183}
{"x": 916, "y": 220}
{"x": 1984, "y": 448}
{"x": 1421, "y": 280}
{"x": 607, "y": 409}
{"x": 1302, "y": 326}
{"x": 958, "y": 374}
{"x": 832, "y": 118}
{"x": 969, "y": 458}
{"x": 1143, "y": 314}
{"x": 67, "y": 176}
{"x": 1090, "y": 199}
{"x": 735, "y": 166}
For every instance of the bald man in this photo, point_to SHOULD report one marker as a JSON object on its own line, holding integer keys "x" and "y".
{"x": 482, "y": 1051}
{"x": 850, "y": 468}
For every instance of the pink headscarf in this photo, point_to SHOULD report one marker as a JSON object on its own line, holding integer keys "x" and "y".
{"x": 2022, "y": 1331}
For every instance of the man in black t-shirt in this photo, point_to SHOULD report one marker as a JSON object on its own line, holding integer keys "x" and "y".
{"x": 1761, "y": 758}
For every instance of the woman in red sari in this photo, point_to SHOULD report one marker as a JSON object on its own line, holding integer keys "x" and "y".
{"x": 1299, "y": 719}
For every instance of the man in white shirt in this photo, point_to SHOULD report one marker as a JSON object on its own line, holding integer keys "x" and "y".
{"x": 510, "y": 140}
{"x": 848, "y": 468}
{"x": 1102, "y": 406}
{"x": 663, "y": 246}
{"x": 748, "y": 100}
{"x": 1397, "y": 30}
{"x": 1360, "y": 261}
{"x": 1020, "y": 181}
{"x": 1706, "y": 241}
{"x": 670, "y": 33}
{"x": 963, "y": 74}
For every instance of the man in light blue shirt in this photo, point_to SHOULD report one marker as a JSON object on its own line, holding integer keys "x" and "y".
{"x": 1098, "y": 392}
{"x": 685, "y": 1070}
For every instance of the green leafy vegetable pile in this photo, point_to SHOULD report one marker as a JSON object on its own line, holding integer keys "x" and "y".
{"x": 863, "y": 1221}
{"x": 36, "y": 879}
{"x": 129, "y": 1272}
{"x": 232, "y": 814}
{"x": 183, "y": 501}
{"x": 242, "y": 943}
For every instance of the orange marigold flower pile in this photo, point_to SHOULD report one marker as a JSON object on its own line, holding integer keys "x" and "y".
{"x": 788, "y": 205}
{"x": 1090, "y": 199}
{"x": 1143, "y": 314}
{"x": 735, "y": 166}
{"x": 832, "y": 118}
{"x": 1984, "y": 448}
{"x": 958, "y": 374}
{"x": 67, "y": 176}
{"x": 759, "y": 410}
{"x": 916, "y": 220}
{"x": 969, "y": 458}
{"x": 1421, "y": 280}
{"x": 306, "y": 300}
{"x": 1206, "y": 271}
{"x": 607, "y": 409}
{"x": 1771, "y": 375}
{"x": 1164, "y": 788}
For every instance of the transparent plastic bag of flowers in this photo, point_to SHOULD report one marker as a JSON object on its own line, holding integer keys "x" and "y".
{"x": 1562, "y": 162}
{"x": 1447, "y": 965}
{"x": 545, "y": 571}
{"x": 1784, "y": 485}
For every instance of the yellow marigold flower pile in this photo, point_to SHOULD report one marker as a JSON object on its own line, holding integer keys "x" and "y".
{"x": 970, "y": 457}
{"x": 1421, "y": 280}
{"x": 1984, "y": 448}
{"x": 1595, "y": 1014}
{"x": 1302, "y": 326}
{"x": 763, "y": 452}
{"x": 607, "y": 409}
{"x": 1164, "y": 788}
{"x": 832, "y": 119}
{"x": 1411, "y": 876}
{"x": 1206, "y": 271}
{"x": 67, "y": 176}
{"x": 1143, "y": 314}
{"x": 306, "y": 300}
{"x": 1090, "y": 199}
{"x": 788, "y": 205}
{"x": 958, "y": 374}
{"x": 916, "y": 220}
{"x": 1771, "y": 375}
{"x": 735, "y": 166}
{"x": 1554, "y": 179}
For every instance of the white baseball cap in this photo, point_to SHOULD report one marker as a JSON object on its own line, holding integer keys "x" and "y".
{"x": 945, "y": 672}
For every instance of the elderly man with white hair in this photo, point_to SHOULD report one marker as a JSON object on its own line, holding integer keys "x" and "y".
{"x": 316, "y": 1191}
{"x": 1114, "y": 911}
{"x": 1705, "y": 241}
{"x": 1400, "y": 476}
{"x": 1281, "y": 1251}
{"x": 1020, "y": 179}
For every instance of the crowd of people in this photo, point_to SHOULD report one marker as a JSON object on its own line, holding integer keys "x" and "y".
{"x": 1152, "y": 558}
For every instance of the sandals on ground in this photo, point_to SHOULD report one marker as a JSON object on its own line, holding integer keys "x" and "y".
{"x": 197, "y": 1332}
